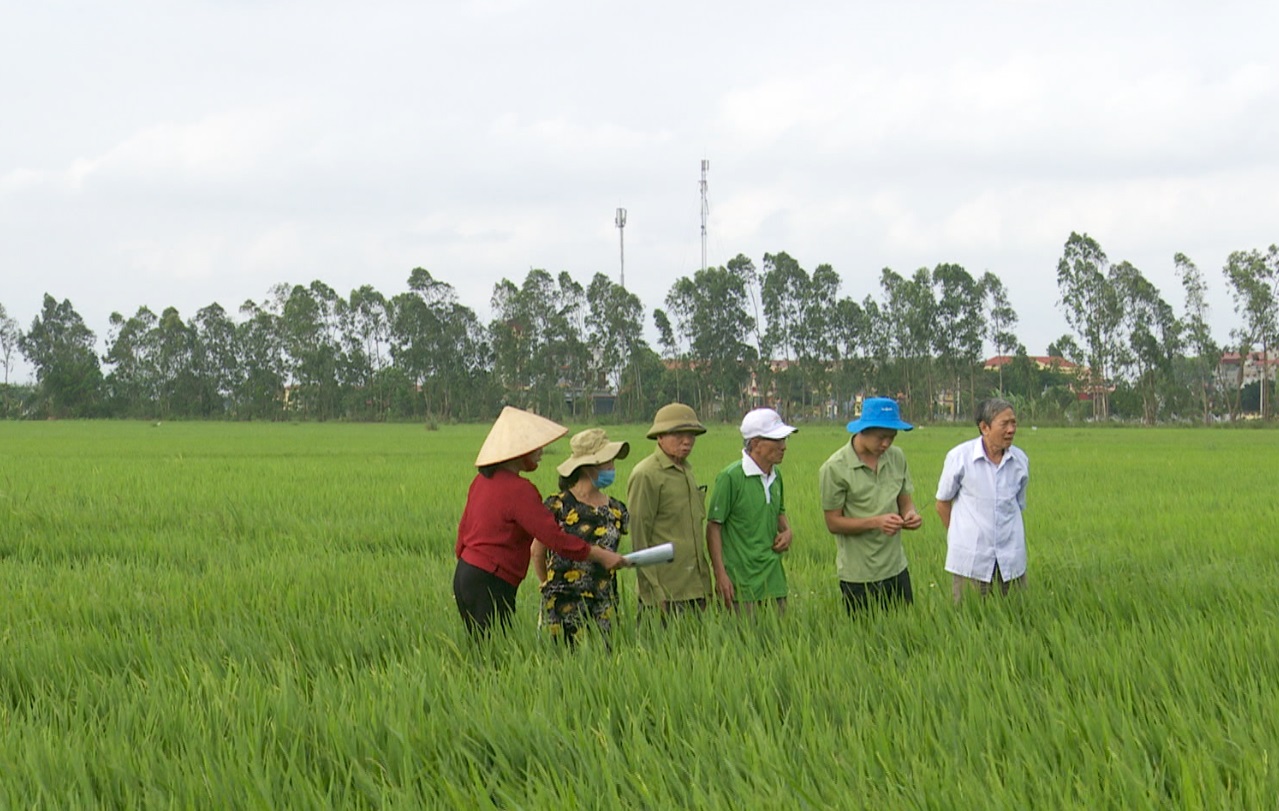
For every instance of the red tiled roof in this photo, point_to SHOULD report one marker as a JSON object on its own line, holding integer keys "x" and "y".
{"x": 1040, "y": 360}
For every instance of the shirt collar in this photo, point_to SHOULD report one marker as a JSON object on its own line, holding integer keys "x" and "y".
{"x": 667, "y": 461}
{"x": 749, "y": 467}
{"x": 852, "y": 455}
{"x": 979, "y": 452}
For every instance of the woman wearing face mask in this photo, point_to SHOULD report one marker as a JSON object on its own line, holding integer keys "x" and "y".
{"x": 578, "y": 594}
{"x": 504, "y": 512}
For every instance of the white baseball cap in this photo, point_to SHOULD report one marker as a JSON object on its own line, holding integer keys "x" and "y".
{"x": 766, "y": 423}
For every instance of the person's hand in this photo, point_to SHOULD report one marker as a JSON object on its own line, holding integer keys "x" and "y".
{"x": 890, "y": 523}
{"x": 782, "y": 542}
{"x": 912, "y": 520}
{"x": 608, "y": 559}
{"x": 725, "y": 588}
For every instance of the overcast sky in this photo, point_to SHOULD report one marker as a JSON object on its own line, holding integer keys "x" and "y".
{"x": 174, "y": 153}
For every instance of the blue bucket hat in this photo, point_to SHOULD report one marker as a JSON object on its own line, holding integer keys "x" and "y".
{"x": 879, "y": 412}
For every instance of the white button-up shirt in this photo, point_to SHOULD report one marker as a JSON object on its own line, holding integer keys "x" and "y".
{"x": 986, "y": 525}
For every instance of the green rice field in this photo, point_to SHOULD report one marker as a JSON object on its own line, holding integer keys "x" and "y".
{"x": 216, "y": 615}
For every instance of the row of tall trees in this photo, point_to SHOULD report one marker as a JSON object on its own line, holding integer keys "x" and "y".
{"x": 816, "y": 348}
{"x": 728, "y": 338}
{"x": 1132, "y": 342}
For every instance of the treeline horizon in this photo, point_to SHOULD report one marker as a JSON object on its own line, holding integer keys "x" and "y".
{"x": 730, "y": 338}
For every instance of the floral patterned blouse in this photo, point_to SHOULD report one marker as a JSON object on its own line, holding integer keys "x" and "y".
{"x": 602, "y": 526}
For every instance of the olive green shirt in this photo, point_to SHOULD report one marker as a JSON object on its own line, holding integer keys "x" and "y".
{"x": 848, "y": 485}
{"x": 667, "y": 506}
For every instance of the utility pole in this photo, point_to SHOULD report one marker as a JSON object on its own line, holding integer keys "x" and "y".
{"x": 620, "y": 221}
{"x": 706, "y": 165}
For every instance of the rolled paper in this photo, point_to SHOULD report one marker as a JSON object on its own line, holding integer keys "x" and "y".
{"x": 662, "y": 553}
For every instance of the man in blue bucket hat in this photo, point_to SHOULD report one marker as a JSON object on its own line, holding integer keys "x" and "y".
{"x": 866, "y": 499}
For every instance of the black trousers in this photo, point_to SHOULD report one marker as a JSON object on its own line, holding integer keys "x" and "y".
{"x": 482, "y": 598}
{"x": 858, "y": 596}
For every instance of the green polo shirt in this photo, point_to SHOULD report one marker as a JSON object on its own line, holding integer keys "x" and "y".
{"x": 848, "y": 485}
{"x": 667, "y": 506}
{"x": 748, "y": 524}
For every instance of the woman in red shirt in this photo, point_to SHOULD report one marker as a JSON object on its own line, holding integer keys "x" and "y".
{"x": 503, "y": 514}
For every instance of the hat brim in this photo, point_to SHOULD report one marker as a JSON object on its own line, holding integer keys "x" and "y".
{"x": 516, "y": 433}
{"x": 676, "y": 428}
{"x": 611, "y": 451}
{"x": 857, "y": 426}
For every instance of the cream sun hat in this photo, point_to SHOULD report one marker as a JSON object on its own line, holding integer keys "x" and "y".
{"x": 591, "y": 447}
{"x": 515, "y": 433}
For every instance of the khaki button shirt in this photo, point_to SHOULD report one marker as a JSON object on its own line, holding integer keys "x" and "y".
{"x": 850, "y": 486}
{"x": 667, "y": 506}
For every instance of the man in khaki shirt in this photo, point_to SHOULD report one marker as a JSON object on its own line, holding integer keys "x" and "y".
{"x": 866, "y": 500}
{"x": 667, "y": 506}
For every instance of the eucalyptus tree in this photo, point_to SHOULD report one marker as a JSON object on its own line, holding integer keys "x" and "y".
{"x": 439, "y": 347}
{"x": 153, "y": 370}
{"x": 710, "y": 311}
{"x": 366, "y": 328}
{"x": 178, "y": 383}
{"x": 262, "y": 358}
{"x": 909, "y": 310}
{"x": 815, "y": 337}
{"x": 958, "y": 326}
{"x": 1153, "y": 337}
{"x": 1203, "y": 364}
{"x": 669, "y": 341}
{"x": 1001, "y": 319}
{"x": 784, "y": 289}
{"x": 311, "y": 323}
{"x": 571, "y": 354}
{"x": 527, "y": 332}
{"x": 131, "y": 386}
{"x": 1254, "y": 286}
{"x": 784, "y": 286}
{"x": 61, "y": 348}
{"x": 614, "y": 332}
{"x": 849, "y": 335}
{"x": 9, "y": 334}
{"x": 216, "y": 360}
{"x": 681, "y": 304}
{"x": 647, "y": 385}
{"x": 744, "y": 268}
{"x": 799, "y": 308}
{"x": 1093, "y": 309}
{"x": 1067, "y": 347}
{"x": 877, "y": 341}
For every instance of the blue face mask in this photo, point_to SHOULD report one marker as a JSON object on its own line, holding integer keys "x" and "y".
{"x": 604, "y": 478}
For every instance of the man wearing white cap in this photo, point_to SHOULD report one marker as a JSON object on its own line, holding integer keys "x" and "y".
{"x": 866, "y": 499}
{"x": 746, "y": 525}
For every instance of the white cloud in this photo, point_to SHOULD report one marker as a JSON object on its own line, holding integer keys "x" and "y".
{"x": 350, "y": 144}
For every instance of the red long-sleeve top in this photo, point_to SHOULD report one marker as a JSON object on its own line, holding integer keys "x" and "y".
{"x": 501, "y": 518}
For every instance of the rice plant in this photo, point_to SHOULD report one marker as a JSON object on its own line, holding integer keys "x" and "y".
{"x": 247, "y": 616}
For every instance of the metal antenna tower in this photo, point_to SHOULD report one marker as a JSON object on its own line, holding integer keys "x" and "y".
{"x": 706, "y": 210}
{"x": 620, "y": 221}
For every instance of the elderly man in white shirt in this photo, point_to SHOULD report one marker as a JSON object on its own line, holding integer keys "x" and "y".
{"x": 980, "y": 499}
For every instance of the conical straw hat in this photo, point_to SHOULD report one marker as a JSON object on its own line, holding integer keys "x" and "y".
{"x": 516, "y": 433}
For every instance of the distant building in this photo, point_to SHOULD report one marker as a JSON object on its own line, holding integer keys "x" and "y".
{"x": 1041, "y": 362}
{"x": 1084, "y": 389}
{"x": 1252, "y": 365}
